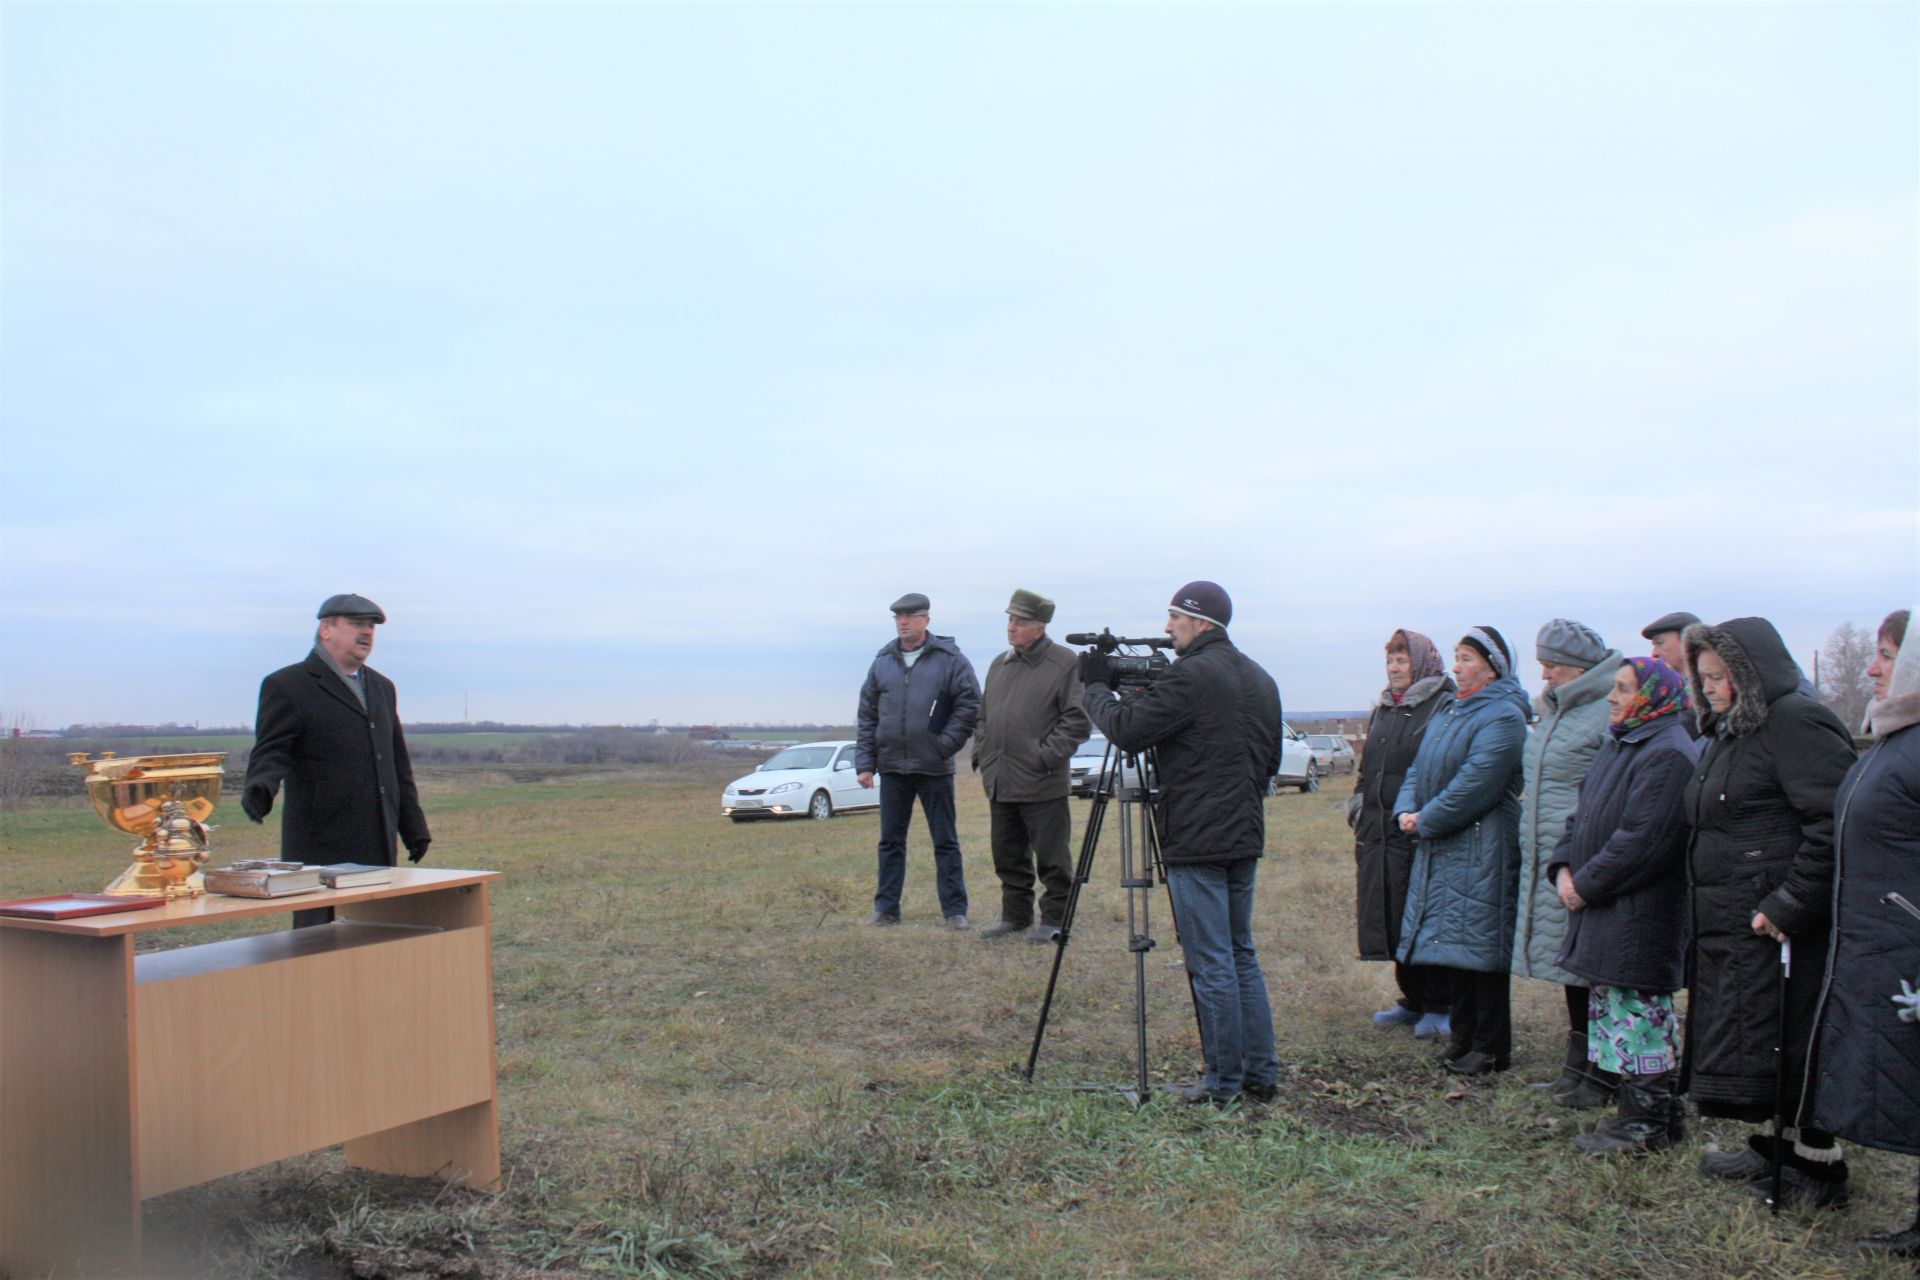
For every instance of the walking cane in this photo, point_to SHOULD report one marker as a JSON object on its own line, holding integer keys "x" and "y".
{"x": 1780, "y": 1077}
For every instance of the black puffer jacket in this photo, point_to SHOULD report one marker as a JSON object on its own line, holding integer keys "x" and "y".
{"x": 916, "y": 719}
{"x": 1761, "y": 807}
{"x": 1626, "y": 844}
{"x": 1215, "y": 718}
{"x": 1382, "y": 853}
{"x": 1866, "y": 1075}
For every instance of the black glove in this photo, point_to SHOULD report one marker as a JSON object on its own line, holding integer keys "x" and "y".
{"x": 256, "y": 801}
{"x": 1095, "y": 668}
{"x": 417, "y": 850}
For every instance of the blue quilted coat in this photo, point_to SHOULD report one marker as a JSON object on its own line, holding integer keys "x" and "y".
{"x": 1465, "y": 785}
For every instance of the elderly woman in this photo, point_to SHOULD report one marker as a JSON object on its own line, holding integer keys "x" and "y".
{"x": 1760, "y": 877}
{"x": 1865, "y": 1080}
{"x": 1417, "y": 685}
{"x": 1461, "y": 803}
{"x": 1570, "y": 724}
{"x": 1620, "y": 871}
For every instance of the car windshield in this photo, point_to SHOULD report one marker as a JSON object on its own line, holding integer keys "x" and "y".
{"x": 1094, "y": 746}
{"x": 799, "y": 758}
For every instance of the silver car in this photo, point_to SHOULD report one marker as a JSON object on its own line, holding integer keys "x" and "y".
{"x": 1331, "y": 753}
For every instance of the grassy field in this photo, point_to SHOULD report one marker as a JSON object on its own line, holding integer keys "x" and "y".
{"x": 709, "y": 1068}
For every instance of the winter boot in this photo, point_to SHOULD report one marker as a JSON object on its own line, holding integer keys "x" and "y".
{"x": 1804, "y": 1184}
{"x": 1596, "y": 1089}
{"x": 1743, "y": 1165}
{"x": 1650, "y": 1119}
{"x": 1572, "y": 1071}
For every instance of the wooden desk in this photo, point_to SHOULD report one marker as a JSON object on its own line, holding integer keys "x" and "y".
{"x": 124, "y": 1076}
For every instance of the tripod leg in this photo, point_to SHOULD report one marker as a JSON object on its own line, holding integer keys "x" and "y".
{"x": 1083, "y": 869}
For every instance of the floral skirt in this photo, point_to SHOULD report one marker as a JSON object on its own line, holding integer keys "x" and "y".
{"x": 1632, "y": 1032}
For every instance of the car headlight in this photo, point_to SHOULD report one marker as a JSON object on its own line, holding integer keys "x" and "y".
{"x": 785, "y": 786}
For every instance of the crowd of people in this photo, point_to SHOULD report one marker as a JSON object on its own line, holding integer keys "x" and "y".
{"x": 1694, "y": 820}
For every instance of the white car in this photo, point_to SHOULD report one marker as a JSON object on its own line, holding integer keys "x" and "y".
{"x": 1297, "y": 768}
{"x": 810, "y": 780}
{"x": 1084, "y": 769}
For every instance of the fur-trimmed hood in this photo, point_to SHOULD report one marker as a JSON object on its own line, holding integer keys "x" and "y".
{"x": 1417, "y": 692}
{"x": 1901, "y": 707}
{"x": 1758, "y": 662}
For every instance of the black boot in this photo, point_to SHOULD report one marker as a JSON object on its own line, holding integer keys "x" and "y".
{"x": 1572, "y": 1071}
{"x": 1650, "y": 1118}
{"x": 1596, "y": 1089}
{"x": 1895, "y": 1244}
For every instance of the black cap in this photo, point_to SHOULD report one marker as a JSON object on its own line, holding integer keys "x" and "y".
{"x": 1204, "y": 600}
{"x": 912, "y": 602}
{"x": 349, "y": 605}
{"x": 1677, "y": 621}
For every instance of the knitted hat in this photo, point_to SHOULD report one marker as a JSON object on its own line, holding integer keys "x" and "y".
{"x": 1566, "y": 643}
{"x": 1204, "y": 600}
{"x": 1492, "y": 646}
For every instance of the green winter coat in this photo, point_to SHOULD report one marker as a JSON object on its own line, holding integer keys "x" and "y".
{"x": 1565, "y": 738}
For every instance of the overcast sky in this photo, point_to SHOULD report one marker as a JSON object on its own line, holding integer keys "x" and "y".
{"x": 635, "y": 358}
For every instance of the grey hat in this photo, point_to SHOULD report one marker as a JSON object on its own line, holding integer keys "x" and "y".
{"x": 912, "y": 602}
{"x": 349, "y": 605}
{"x": 1030, "y": 605}
{"x": 1567, "y": 643}
{"x": 1679, "y": 620}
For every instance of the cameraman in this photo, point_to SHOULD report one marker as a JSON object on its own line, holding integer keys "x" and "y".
{"x": 1214, "y": 715}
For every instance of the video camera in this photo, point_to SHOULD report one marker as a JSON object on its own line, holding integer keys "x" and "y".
{"x": 1131, "y": 671}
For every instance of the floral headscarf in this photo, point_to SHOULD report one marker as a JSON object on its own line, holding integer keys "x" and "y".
{"x": 1662, "y": 692}
{"x": 1425, "y": 657}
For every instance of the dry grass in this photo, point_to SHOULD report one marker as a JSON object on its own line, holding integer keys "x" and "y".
{"x": 708, "y": 1067}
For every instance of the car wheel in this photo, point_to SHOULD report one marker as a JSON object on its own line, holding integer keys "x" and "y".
{"x": 1313, "y": 781}
{"x": 820, "y": 808}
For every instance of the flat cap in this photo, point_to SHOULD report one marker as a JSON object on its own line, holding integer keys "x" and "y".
{"x": 349, "y": 605}
{"x": 1030, "y": 605}
{"x": 1679, "y": 620}
{"x": 912, "y": 602}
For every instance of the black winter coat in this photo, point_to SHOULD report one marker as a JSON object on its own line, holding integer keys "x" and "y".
{"x": 915, "y": 719}
{"x": 1761, "y": 807}
{"x": 1382, "y": 853}
{"x": 1215, "y": 718}
{"x": 349, "y": 783}
{"x": 1626, "y": 844}
{"x": 1866, "y": 1074}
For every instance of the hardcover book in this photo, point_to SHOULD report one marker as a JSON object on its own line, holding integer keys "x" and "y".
{"x": 258, "y": 878}
{"x": 347, "y": 875}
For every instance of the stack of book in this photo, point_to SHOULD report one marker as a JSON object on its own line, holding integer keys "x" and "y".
{"x": 261, "y": 878}
{"x": 348, "y": 875}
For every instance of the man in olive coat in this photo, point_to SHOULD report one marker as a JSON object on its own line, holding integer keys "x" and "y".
{"x": 329, "y": 729}
{"x": 1030, "y": 722}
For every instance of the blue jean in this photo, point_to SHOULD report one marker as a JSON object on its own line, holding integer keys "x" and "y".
{"x": 935, "y": 793}
{"x": 1213, "y": 908}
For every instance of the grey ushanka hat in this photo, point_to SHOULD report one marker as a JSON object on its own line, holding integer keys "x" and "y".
{"x": 1030, "y": 605}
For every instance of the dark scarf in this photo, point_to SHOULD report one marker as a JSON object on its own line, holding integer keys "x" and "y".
{"x": 1662, "y": 692}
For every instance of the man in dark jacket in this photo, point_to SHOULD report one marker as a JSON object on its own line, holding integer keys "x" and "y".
{"x": 1030, "y": 722}
{"x": 917, "y": 709}
{"x": 1214, "y": 720}
{"x": 329, "y": 728}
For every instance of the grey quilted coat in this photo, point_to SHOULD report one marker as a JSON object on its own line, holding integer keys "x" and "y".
{"x": 1565, "y": 738}
{"x": 1465, "y": 785}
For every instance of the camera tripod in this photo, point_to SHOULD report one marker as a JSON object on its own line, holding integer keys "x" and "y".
{"x": 1140, "y": 865}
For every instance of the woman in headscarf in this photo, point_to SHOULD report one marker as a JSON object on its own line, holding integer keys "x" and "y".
{"x": 1570, "y": 723}
{"x": 1865, "y": 1079}
{"x": 1461, "y": 803}
{"x": 1417, "y": 684}
{"x": 1619, "y": 870}
{"x": 1760, "y": 889}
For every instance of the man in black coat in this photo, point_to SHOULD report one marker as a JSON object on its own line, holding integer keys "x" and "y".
{"x": 329, "y": 728}
{"x": 1214, "y": 719}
